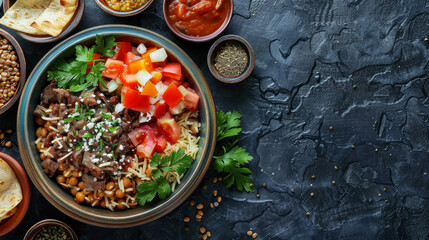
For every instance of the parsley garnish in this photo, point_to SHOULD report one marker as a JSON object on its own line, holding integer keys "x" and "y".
{"x": 72, "y": 74}
{"x": 113, "y": 129}
{"x": 231, "y": 158}
{"x": 177, "y": 161}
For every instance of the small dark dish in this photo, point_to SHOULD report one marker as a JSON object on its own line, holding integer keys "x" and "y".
{"x": 47, "y": 38}
{"x": 201, "y": 38}
{"x": 103, "y": 5}
{"x": 10, "y": 223}
{"x": 22, "y": 69}
{"x": 216, "y": 46}
{"x": 32, "y": 232}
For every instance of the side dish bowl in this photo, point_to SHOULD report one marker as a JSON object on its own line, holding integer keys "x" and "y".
{"x": 62, "y": 199}
{"x": 22, "y": 69}
{"x": 200, "y": 38}
{"x": 46, "y": 38}
{"x": 103, "y": 5}
{"x": 9, "y": 224}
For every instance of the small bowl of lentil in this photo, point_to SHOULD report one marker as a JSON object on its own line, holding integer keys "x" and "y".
{"x": 50, "y": 229}
{"x": 231, "y": 59}
{"x": 12, "y": 70}
{"x": 123, "y": 8}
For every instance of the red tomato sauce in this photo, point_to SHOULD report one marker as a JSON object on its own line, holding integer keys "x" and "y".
{"x": 197, "y": 17}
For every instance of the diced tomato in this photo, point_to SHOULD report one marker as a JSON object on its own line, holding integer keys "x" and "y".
{"x": 161, "y": 143}
{"x": 147, "y": 148}
{"x": 172, "y": 95}
{"x": 94, "y": 57}
{"x": 113, "y": 68}
{"x": 131, "y": 57}
{"x": 157, "y": 77}
{"x": 150, "y": 89}
{"x": 191, "y": 100}
{"x": 149, "y": 51}
{"x": 167, "y": 81}
{"x": 135, "y": 101}
{"x": 160, "y": 109}
{"x": 122, "y": 48}
{"x": 172, "y": 70}
{"x": 169, "y": 128}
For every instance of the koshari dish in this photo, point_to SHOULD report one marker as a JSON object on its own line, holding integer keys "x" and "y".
{"x": 123, "y": 127}
{"x": 197, "y": 17}
{"x": 10, "y": 191}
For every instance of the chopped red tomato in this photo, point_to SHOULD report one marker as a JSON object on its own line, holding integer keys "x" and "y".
{"x": 172, "y": 70}
{"x": 131, "y": 57}
{"x": 191, "y": 100}
{"x": 169, "y": 128}
{"x": 161, "y": 143}
{"x": 150, "y": 89}
{"x": 135, "y": 101}
{"x": 160, "y": 109}
{"x": 122, "y": 48}
{"x": 167, "y": 81}
{"x": 147, "y": 148}
{"x": 172, "y": 95}
{"x": 113, "y": 68}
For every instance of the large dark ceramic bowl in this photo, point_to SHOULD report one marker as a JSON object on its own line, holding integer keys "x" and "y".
{"x": 62, "y": 199}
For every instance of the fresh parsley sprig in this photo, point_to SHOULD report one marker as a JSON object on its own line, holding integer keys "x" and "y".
{"x": 231, "y": 158}
{"x": 177, "y": 161}
{"x": 83, "y": 72}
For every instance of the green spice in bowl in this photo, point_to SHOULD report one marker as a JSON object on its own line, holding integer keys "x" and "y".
{"x": 231, "y": 59}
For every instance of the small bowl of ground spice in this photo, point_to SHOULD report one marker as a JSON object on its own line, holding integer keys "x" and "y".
{"x": 12, "y": 71}
{"x": 50, "y": 229}
{"x": 231, "y": 59}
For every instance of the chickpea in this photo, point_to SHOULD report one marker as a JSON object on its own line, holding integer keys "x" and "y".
{"x": 61, "y": 167}
{"x": 61, "y": 179}
{"x": 110, "y": 186}
{"x": 127, "y": 182}
{"x": 80, "y": 197}
{"x": 121, "y": 206}
{"x": 81, "y": 185}
{"x": 73, "y": 191}
{"x": 73, "y": 181}
{"x": 119, "y": 193}
{"x": 39, "y": 146}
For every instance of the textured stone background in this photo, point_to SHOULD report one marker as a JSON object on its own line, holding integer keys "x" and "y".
{"x": 358, "y": 66}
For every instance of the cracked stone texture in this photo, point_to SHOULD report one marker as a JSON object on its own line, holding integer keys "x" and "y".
{"x": 358, "y": 66}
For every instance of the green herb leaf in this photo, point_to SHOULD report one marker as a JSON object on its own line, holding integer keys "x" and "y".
{"x": 105, "y": 46}
{"x": 228, "y": 124}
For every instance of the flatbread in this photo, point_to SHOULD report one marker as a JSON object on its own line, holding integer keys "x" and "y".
{"x": 6, "y": 175}
{"x": 10, "y": 198}
{"x": 56, "y": 17}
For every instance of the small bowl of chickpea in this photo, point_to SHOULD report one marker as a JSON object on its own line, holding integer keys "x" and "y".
{"x": 12, "y": 70}
{"x": 123, "y": 8}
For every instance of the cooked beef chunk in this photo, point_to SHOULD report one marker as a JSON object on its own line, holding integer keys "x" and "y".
{"x": 49, "y": 167}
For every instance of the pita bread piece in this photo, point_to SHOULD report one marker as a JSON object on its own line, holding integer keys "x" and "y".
{"x": 56, "y": 17}
{"x": 23, "y": 13}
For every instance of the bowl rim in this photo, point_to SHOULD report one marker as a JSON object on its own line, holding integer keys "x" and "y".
{"x": 202, "y": 38}
{"x": 77, "y": 211}
{"x": 19, "y": 171}
{"x": 22, "y": 69}
{"x": 123, "y": 14}
{"x": 73, "y": 23}
{"x": 49, "y": 222}
{"x": 249, "y": 50}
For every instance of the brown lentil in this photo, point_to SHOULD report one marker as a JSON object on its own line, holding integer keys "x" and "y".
{"x": 9, "y": 76}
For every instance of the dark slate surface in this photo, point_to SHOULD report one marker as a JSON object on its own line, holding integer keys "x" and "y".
{"x": 358, "y": 66}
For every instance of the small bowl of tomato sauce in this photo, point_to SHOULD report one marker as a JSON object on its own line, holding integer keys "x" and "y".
{"x": 198, "y": 20}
